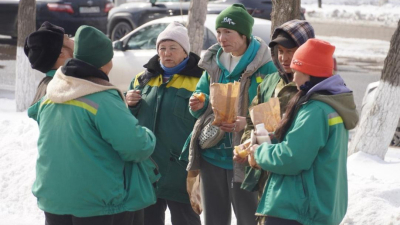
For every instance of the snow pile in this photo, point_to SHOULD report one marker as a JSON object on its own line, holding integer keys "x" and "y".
{"x": 374, "y": 189}
{"x": 373, "y": 12}
{"x": 18, "y": 152}
{"x": 359, "y": 49}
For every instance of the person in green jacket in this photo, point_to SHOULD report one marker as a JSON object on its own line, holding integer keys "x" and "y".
{"x": 238, "y": 56}
{"x": 308, "y": 176}
{"x": 92, "y": 165}
{"x": 47, "y": 49}
{"x": 286, "y": 39}
{"x": 159, "y": 98}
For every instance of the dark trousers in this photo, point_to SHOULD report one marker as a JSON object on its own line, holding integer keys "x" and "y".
{"x": 278, "y": 221}
{"x": 124, "y": 218}
{"x": 181, "y": 213}
{"x": 220, "y": 195}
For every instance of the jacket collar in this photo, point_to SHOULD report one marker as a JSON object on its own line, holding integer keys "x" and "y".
{"x": 81, "y": 79}
{"x": 153, "y": 69}
{"x": 209, "y": 61}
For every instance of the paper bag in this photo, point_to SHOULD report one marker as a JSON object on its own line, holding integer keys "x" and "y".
{"x": 193, "y": 189}
{"x": 268, "y": 113}
{"x": 224, "y": 99}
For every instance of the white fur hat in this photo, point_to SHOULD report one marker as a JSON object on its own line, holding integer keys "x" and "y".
{"x": 176, "y": 32}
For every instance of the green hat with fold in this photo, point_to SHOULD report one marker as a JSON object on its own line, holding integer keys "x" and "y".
{"x": 236, "y": 17}
{"x": 92, "y": 46}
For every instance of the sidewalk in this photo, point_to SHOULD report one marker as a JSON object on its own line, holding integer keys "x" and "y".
{"x": 340, "y": 29}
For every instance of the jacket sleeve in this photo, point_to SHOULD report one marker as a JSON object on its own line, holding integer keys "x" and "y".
{"x": 249, "y": 122}
{"x": 33, "y": 111}
{"x": 300, "y": 146}
{"x": 120, "y": 129}
{"x": 203, "y": 86}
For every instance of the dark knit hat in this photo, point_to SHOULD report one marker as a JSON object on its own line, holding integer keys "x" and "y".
{"x": 92, "y": 46}
{"x": 236, "y": 17}
{"x": 43, "y": 46}
{"x": 284, "y": 39}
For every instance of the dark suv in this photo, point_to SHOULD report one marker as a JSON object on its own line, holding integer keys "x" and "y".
{"x": 69, "y": 14}
{"x": 129, "y": 16}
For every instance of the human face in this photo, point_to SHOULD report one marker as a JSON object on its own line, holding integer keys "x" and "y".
{"x": 107, "y": 68}
{"x": 171, "y": 53}
{"x": 68, "y": 46}
{"x": 231, "y": 41}
{"x": 300, "y": 78}
{"x": 285, "y": 56}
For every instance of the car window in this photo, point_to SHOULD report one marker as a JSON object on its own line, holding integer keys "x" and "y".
{"x": 209, "y": 39}
{"x": 146, "y": 37}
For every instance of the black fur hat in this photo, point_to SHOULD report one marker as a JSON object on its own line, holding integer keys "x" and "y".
{"x": 44, "y": 46}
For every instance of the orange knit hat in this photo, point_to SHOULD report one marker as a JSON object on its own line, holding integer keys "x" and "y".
{"x": 314, "y": 58}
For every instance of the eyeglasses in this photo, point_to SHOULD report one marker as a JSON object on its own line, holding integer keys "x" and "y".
{"x": 68, "y": 35}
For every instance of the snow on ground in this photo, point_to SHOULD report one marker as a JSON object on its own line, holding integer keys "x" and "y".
{"x": 363, "y": 49}
{"x": 374, "y": 189}
{"x": 374, "y": 184}
{"x": 373, "y": 12}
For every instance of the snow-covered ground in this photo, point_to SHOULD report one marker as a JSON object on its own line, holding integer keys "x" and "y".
{"x": 373, "y": 12}
{"x": 374, "y": 184}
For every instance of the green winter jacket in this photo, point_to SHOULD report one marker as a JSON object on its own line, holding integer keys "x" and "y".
{"x": 255, "y": 63}
{"x": 308, "y": 175}
{"x": 272, "y": 86}
{"x": 164, "y": 110}
{"x": 93, "y": 155}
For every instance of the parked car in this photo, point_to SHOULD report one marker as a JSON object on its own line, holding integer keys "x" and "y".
{"x": 69, "y": 14}
{"x": 129, "y": 16}
{"x": 368, "y": 99}
{"x": 136, "y": 48}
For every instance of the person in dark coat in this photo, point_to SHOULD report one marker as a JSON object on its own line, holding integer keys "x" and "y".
{"x": 47, "y": 49}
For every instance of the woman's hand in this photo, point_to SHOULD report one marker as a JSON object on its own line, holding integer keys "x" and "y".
{"x": 133, "y": 97}
{"x": 237, "y": 158}
{"x": 237, "y": 126}
{"x": 195, "y": 104}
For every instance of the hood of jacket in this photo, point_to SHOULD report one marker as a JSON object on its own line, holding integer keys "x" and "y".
{"x": 340, "y": 98}
{"x": 299, "y": 31}
{"x": 209, "y": 61}
{"x": 76, "y": 79}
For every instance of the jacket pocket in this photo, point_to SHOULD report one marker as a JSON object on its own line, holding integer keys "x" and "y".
{"x": 151, "y": 168}
{"x": 181, "y": 105}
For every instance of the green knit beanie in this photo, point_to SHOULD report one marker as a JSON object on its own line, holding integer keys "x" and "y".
{"x": 92, "y": 46}
{"x": 236, "y": 17}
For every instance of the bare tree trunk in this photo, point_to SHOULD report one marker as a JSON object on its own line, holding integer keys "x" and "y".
{"x": 25, "y": 85}
{"x": 319, "y": 3}
{"x": 378, "y": 124}
{"x": 197, "y": 17}
{"x": 283, "y": 11}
